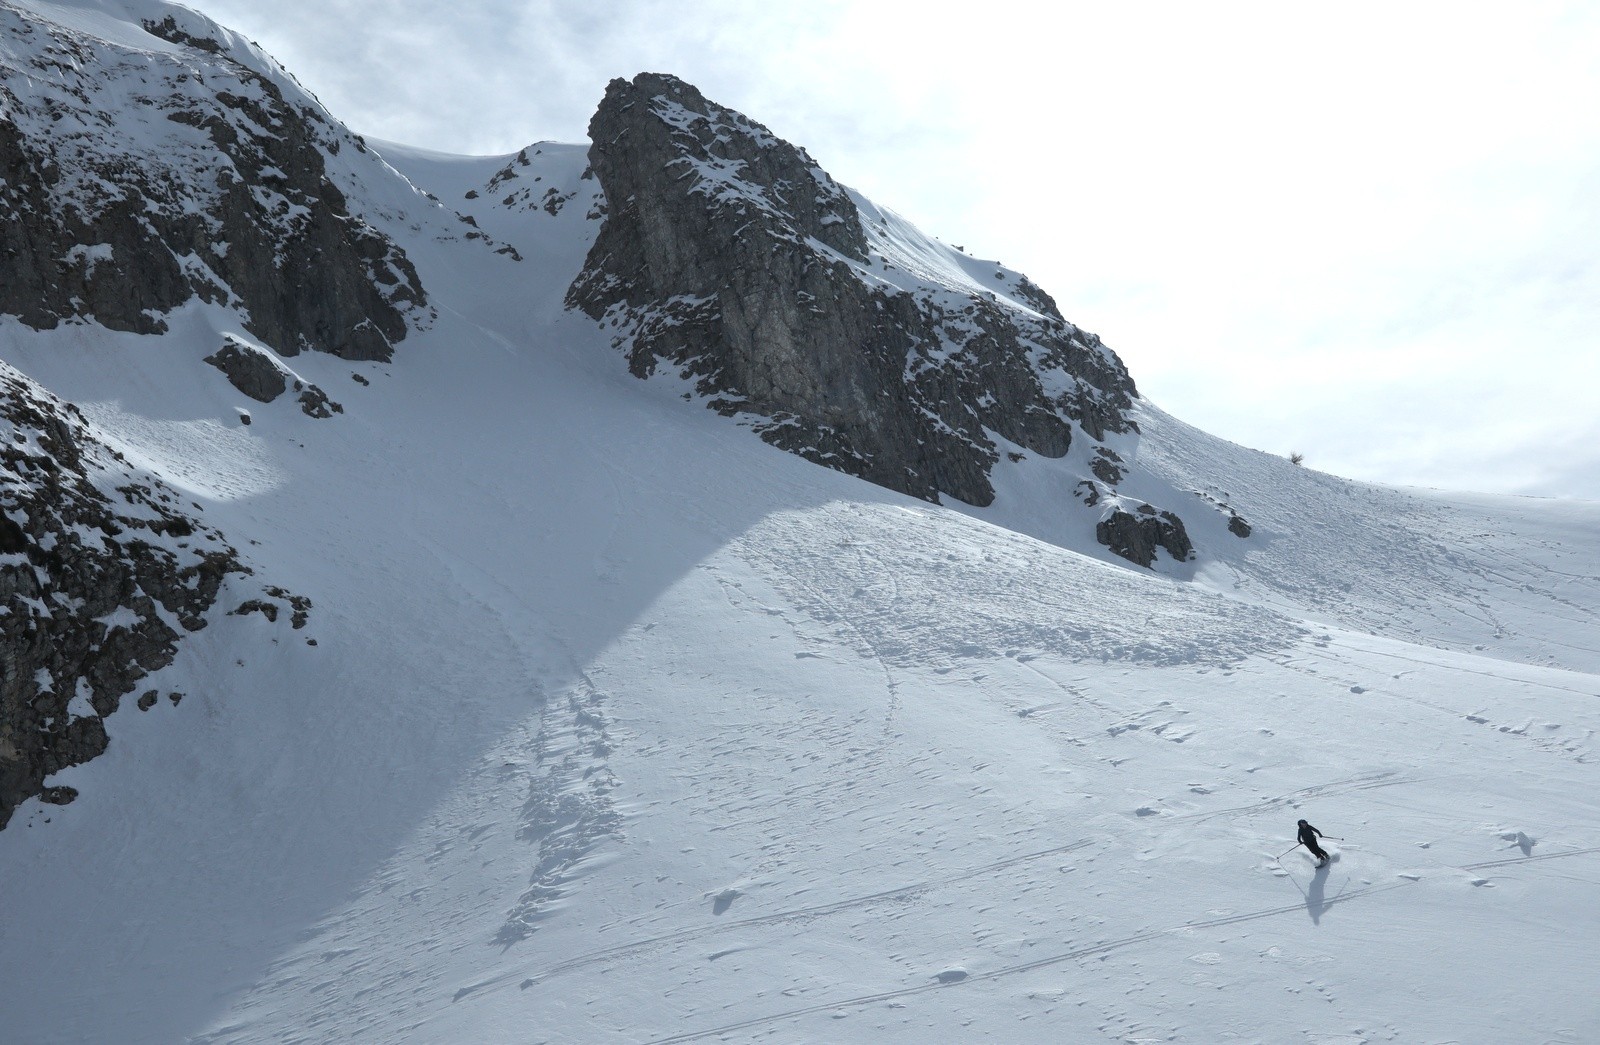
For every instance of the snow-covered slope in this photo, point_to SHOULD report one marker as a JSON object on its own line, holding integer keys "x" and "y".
{"x": 611, "y": 722}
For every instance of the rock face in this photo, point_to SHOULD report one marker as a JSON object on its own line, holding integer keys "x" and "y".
{"x": 729, "y": 254}
{"x": 88, "y": 581}
{"x": 133, "y": 180}
{"x": 1136, "y": 535}
{"x": 143, "y": 170}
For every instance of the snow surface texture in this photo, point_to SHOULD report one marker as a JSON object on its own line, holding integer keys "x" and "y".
{"x": 624, "y": 726}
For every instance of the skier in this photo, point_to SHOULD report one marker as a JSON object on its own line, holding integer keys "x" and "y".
{"x": 1308, "y": 838}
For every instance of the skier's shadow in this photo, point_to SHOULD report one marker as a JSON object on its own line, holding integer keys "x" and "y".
{"x": 1315, "y": 904}
{"x": 1316, "y": 893}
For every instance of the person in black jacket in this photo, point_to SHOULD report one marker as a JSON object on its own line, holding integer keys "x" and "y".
{"x": 1308, "y": 838}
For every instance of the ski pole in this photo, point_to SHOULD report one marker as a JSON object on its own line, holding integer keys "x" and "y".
{"x": 1291, "y": 849}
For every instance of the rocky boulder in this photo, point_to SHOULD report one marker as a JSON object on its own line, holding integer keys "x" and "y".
{"x": 1136, "y": 535}
{"x": 252, "y": 372}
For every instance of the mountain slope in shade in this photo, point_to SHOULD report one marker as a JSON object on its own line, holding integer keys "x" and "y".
{"x": 622, "y": 724}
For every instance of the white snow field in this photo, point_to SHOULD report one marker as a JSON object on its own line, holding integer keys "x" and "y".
{"x": 623, "y": 726}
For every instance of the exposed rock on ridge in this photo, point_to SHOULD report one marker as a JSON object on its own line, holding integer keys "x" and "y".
{"x": 89, "y": 581}
{"x": 731, "y": 255}
{"x": 134, "y": 180}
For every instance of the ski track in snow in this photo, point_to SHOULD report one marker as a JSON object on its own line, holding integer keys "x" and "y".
{"x": 1088, "y": 951}
{"x": 914, "y": 890}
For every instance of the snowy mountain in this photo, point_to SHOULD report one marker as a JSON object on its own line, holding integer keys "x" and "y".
{"x": 518, "y": 675}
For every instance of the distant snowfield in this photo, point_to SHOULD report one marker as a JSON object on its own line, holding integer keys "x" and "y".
{"x": 623, "y": 726}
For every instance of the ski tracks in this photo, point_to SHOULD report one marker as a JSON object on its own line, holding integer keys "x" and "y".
{"x": 800, "y": 914}
{"x": 1087, "y": 951}
{"x": 824, "y": 610}
{"x": 1364, "y": 782}
{"x": 1571, "y": 746}
{"x": 912, "y": 891}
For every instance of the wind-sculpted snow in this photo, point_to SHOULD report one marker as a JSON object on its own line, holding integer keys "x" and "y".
{"x": 884, "y": 581}
{"x": 593, "y": 718}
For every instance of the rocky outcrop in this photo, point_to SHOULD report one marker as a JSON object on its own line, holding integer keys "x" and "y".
{"x": 1136, "y": 535}
{"x": 261, "y": 377}
{"x": 729, "y": 255}
{"x": 1237, "y": 524}
{"x": 96, "y": 558}
{"x": 254, "y": 373}
{"x": 299, "y": 607}
{"x": 729, "y": 258}
{"x": 133, "y": 181}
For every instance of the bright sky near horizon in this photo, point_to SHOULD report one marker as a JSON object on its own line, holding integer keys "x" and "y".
{"x": 1369, "y": 233}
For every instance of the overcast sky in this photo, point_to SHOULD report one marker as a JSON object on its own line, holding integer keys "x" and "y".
{"x": 1369, "y": 233}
